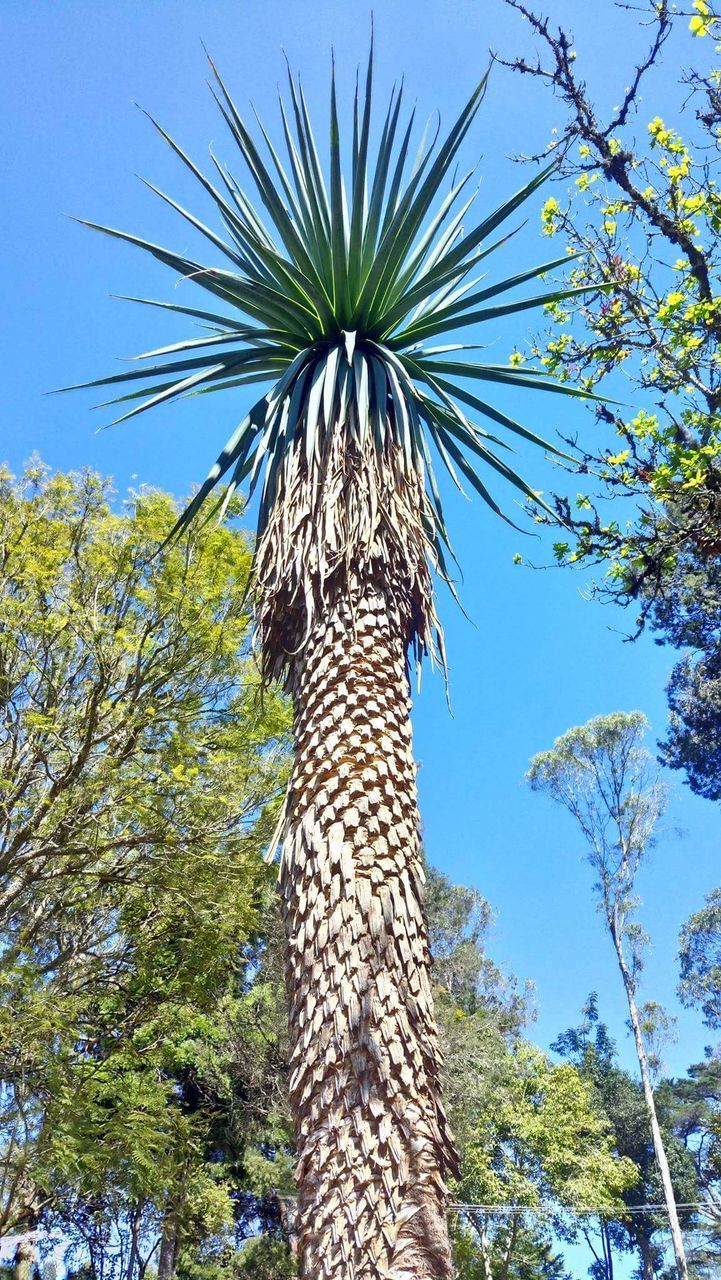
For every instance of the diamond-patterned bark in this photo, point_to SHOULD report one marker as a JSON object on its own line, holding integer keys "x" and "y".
{"x": 372, "y": 1136}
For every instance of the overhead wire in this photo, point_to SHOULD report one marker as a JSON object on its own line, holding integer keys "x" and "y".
{"x": 548, "y": 1211}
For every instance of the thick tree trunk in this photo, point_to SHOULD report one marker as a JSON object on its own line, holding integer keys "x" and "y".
{"x": 373, "y": 1143}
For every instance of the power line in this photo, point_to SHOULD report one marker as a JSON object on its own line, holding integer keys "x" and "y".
{"x": 547, "y": 1211}
{"x": 553, "y": 1211}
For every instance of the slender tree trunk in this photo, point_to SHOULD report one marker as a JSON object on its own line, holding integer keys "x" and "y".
{"x": 604, "y": 1259}
{"x": 373, "y": 1144}
{"x": 134, "y": 1240}
{"x": 607, "y": 1249}
{"x": 486, "y": 1260}
{"x": 512, "y": 1236}
{"x": 659, "y": 1149}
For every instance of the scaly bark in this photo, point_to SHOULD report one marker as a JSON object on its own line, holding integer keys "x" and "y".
{"x": 373, "y": 1143}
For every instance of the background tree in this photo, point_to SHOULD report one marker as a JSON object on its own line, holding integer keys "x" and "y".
{"x": 488, "y": 1062}
{"x": 693, "y": 1105}
{"x": 603, "y": 775}
{"x": 529, "y": 1135}
{"x": 700, "y": 955}
{"x": 619, "y": 1098}
{"x": 141, "y": 773}
{"x": 543, "y": 1146}
{"x": 333, "y": 302}
{"x": 591, "y": 1050}
{"x": 641, "y": 207}
{"x": 688, "y": 616}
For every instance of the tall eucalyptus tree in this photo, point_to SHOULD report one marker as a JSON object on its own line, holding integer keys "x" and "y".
{"x": 335, "y": 298}
{"x": 607, "y": 780}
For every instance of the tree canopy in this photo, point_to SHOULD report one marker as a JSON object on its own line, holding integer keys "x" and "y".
{"x": 141, "y": 771}
{"x": 700, "y": 954}
{"x": 641, "y": 209}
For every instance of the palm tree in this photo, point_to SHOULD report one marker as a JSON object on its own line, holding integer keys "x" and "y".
{"x": 333, "y": 300}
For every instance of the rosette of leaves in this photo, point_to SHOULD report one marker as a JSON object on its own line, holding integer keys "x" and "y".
{"x": 336, "y": 292}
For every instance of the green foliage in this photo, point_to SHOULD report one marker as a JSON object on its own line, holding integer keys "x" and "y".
{"x": 142, "y": 771}
{"x": 528, "y": 1131}
{"x": 262, "y": 1257}
{"x": 543, "y": 1141}
{"x": 464, "y": 976}
{"x": 619, "y": 1099}
{"x": 642, "y": 209}
{"x": 519, "y": 1252}
{"x": 645, "y": 212}
{"x": 265, "y": 1259}
{"x": 688, "y": 616}
{"x": 603, "y": 775}
{"x": 700, "y": 955}
{"x": 333, "y": 299}
{"x": 693, "y": 1104}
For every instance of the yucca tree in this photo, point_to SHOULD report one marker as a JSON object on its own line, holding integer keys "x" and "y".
{"x": 335, "y": 297}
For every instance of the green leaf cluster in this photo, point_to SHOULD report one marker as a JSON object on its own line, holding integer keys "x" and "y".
{"x": 142, "y": 768}
{"x": 531, "y": 1133}
{"x": 643, "y": 212}
{"x": 700, "y": 955}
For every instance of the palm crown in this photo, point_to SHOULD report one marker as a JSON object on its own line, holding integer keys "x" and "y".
{"x": 334, "y": 297}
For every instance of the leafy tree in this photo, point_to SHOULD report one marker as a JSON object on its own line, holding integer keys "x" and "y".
{"x": 646, "y": 215}
{"x": 641, "y": 207}
{"x": 543, "y": 1145}
{"x": 620, "y": 1099}
{"x": 689, "y": 618}
{"x": 700, "y": 954}
{"x": 528, "y": 1133}
{"x": 518, "y": 1251}
{"x": 333, "y": 302}
{"x": 694, "y": 1106}
{"x": 603, "y": 775}
{"x": 246, "y": 1087}
{"x": 487, "y": 1064}
{"x": 464, "y": 976}
{"x": 141, "y": 773}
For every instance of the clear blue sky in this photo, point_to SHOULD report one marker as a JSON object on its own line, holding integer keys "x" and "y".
{"x": 539, "y": 657}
